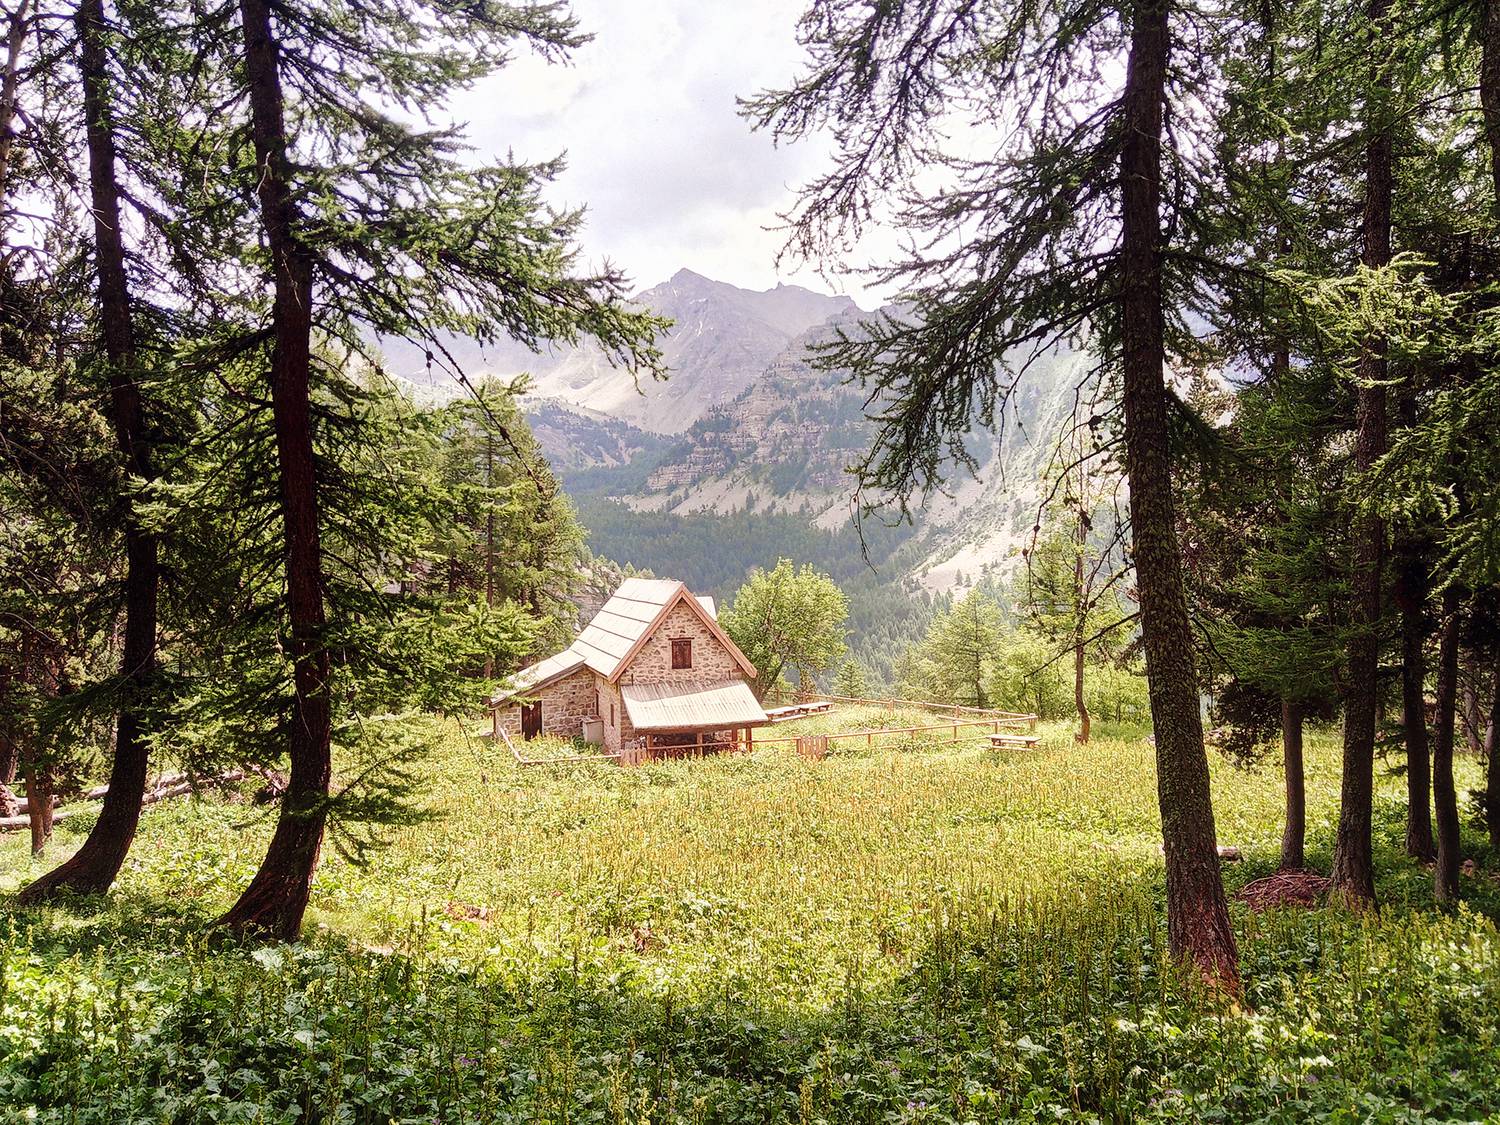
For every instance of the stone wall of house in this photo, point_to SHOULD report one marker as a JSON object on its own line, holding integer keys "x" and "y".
{"x": 565, "y": 705}
{"x": 618, "y": 730}
{"x": 711, "y": 660}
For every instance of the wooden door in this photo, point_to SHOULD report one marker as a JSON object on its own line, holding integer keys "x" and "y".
{"x": 531, "y": 720}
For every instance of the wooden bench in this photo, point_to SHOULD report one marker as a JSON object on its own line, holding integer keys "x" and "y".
{"x": 1010, "y": 741}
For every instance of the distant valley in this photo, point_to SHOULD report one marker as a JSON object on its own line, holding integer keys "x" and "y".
{"x": 740, "y": 456}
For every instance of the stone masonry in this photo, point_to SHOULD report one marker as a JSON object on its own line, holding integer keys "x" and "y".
{"x": 653, "y": 664}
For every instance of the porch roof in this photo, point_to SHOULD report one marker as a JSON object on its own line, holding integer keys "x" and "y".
{"x": 692, "y": 706}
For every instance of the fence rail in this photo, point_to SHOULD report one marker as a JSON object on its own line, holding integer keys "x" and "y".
{"x": 522, "y": 760}
{"x": 869, "y": 735}
{"x": 777, "y": 695}
{"x": 812, "y": 746}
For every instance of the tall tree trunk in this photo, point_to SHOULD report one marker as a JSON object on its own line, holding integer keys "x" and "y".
{"x": 1197, "y": 911}
{"x": 1445, "y": 795}
{"x": 1294, "y": 834}
{"x": 16, "y": 31}
{"x": 94, "y": 866}
{"x": 1411, "y": 594}
{"x": 1080, "y": 617}
{"x": 1492, "y": 762}
{"x": 1353, "y": 854}
{"x": 1472, "y": 712}
{"x": 1489, "y": 88}
{"x": 39, "y": 800}
{"x": 10, "y": 743}
{"x": 276, "y": 899}
{"x": 489, "y": 535}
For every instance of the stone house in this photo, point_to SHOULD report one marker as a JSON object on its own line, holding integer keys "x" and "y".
{"x": 652, "y": 671}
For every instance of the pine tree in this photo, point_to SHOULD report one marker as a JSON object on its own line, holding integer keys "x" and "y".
{"x": 851, "y": 682}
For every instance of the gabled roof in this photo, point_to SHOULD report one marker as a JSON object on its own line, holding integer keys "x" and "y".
{"x": 617, "y": 632}
{"x": 634, "y": 597}
{"x": 692, "y": 706}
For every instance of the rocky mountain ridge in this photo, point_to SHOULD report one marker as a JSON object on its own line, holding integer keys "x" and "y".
{"x": 746, "y": 423}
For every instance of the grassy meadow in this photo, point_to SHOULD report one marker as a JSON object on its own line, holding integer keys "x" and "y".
{"x": 911, "y": 932}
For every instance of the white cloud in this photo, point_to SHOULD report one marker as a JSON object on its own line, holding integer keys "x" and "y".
{"x": 670, "y": 173}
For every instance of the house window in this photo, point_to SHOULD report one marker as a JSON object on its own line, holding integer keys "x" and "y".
{"x": 682, "y": 652}
{"x": 596, "y": 702}
{"x": 611, "y": 714}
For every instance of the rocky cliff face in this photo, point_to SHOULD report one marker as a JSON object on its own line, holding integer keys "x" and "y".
{"x": 721, "y": 339}
{"x": 746, "y": 422}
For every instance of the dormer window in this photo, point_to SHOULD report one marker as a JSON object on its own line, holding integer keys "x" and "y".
{"x": 682, "y": 653}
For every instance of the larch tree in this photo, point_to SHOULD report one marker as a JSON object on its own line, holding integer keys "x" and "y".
{"x": 92, "y": 869}
{"x": 1075, "y": 220}
{"x": 371, "y": 227}
{"x": 960, "y": 650}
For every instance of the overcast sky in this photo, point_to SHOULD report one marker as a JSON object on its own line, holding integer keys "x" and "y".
{"x": 671, "y": 175}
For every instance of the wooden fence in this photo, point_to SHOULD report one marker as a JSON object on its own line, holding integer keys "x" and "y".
{"x": 871, "y": 735}
{"x": 815, "y": 746}
{"x": 522, "y": 760}
{"x": 777, "y": 695}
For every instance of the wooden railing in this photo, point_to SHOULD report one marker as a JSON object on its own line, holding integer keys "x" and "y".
{"x": 521, "y": 760}
{"x": 812, "y": 746}
{"x": 870, "y": 735}
{"x": 776, "y": 695}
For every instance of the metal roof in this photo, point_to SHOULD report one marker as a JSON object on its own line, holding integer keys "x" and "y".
{"x": 540, "y": 674}
{"x": 692, "y": 706}
{"x": 615, "y": 633}
{"x": 619, "y": 626}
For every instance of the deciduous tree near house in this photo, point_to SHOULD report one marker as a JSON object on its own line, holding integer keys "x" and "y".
{"x": 788, "y": 620}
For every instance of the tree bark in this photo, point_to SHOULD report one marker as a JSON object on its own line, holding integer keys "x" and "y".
{"x": 39, "y": 798}
{"x": 1492, "y": 763}
{"x": 1353, "y": 854}
{"x": 1472, "y": 712}
{"x": 10, "y": 86}
{"x": 1080, "y": 617}
{"x": 1489, "y": 87}
{"x": 1197, "y": 911}
{"x": 1411, "y": 594}
{"x": 1445, "y": 795}
{"x": 92, "y": 869}
{"x": 489, "y": 535}
{"x": 1294, "y": 834}
{"x": 276, "y": 899}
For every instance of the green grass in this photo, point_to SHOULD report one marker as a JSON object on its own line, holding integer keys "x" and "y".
{"x": 899, "y": 934}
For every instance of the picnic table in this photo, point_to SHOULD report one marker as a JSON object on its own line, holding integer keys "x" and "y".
{"x": 1013, "y": 740}
{"x": 798, "y": 710}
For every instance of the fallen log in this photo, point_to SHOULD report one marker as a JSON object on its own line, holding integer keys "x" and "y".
{"x": 173, "y": 785}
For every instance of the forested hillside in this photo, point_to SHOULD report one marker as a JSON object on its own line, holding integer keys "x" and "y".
{"x": 714, "y": 554}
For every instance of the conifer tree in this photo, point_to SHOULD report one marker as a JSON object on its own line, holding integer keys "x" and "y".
{"x": 94, "y": 866}
{"x": 371, "y": 227}
{"x": 1081, "y": 223}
